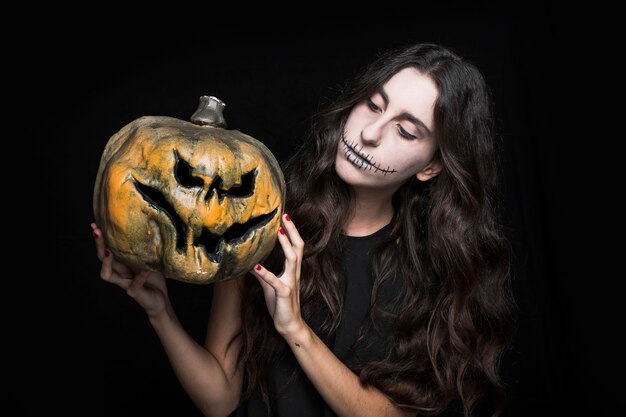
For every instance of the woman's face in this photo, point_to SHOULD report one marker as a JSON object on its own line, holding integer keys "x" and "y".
{"x": 389, "y": 137}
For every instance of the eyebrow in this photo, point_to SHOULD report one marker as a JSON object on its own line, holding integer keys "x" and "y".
{"x": 405, "y": 115}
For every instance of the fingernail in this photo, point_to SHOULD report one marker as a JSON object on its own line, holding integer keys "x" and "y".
{"x": 282, "y": 232}
{"x": 107, "y": 253}
{"x": 258, "y": 267}
{"x": 95, "y": 235}
{"x": 287, "y": 217}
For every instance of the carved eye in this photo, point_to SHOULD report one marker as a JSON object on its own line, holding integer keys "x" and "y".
{"x": 243, "y": 190}
{"x": 183, "y": 172}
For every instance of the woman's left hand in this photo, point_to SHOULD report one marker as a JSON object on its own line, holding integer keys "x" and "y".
{"x": 282, "y": 292}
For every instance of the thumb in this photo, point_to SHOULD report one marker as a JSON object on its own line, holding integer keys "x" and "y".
{"x": 135, "y": 287}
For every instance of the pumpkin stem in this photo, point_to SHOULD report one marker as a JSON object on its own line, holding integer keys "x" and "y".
{"x": 209, "y": 112}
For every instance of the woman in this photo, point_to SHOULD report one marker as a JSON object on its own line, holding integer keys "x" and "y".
{"x": 390, "y": 298}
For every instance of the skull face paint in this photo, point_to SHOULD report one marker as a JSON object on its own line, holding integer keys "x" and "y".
{"x": 199, "y": 203}
{"x": 389, "y": 136}
{"x": 355, "y": 154}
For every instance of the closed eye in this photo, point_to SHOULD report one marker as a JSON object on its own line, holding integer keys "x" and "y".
{"x": 404, "y": 133}
{"x": 373, "y": 107}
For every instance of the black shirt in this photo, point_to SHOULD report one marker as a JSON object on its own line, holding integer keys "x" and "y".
{"x": 290, "y": 391}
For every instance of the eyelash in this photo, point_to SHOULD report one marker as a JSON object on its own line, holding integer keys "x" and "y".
{"x": 405, "y": 134}
{"x": 373, "y": 107}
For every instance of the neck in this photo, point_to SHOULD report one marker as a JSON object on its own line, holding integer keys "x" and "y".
{"x": 372, "y": 211}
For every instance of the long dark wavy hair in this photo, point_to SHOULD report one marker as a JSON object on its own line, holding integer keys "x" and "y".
{"x": 454, "y": 318}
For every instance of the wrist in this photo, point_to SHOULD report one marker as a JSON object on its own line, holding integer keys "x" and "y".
{"x": 297, "y": 335}
{"x": 161, "y": 318}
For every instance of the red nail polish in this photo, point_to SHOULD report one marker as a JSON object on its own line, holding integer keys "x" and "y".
{"x": 287, "y": 217}
{"x": 282, "y": 232}
{"x": 107, "y": 253}
{"x": 258, "y": 267}
{"x": 95, "y": 235}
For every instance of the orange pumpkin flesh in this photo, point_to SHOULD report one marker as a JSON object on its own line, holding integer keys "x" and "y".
{"x": 199, "y": 203}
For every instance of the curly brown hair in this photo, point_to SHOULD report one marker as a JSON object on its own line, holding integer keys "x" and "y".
{"x": 454, "y": 318}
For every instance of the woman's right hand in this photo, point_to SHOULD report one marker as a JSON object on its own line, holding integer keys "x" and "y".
{"x": 148, "y": 288}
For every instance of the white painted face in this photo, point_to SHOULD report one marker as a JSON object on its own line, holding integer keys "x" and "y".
{"x": 389, "y": 137}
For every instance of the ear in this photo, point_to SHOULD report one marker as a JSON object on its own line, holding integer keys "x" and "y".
{"x": 429, "y": 171}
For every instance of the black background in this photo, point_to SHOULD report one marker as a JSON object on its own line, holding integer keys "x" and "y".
{"x": 93, "y": 351}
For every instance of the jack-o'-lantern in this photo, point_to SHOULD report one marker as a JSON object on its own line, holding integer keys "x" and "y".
{"x": 196, "y": 201}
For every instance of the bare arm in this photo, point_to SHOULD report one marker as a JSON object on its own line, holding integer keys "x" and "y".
{"x": 208, "y": 373}
{"x": 335, "y": 382}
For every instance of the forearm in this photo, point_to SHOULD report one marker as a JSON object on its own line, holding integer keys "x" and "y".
{"x": 198, "y": 371}
{"x": 336, "y": 383}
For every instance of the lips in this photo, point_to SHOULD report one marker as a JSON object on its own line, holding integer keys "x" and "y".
{"x": 356, "y": 159}
{"x": 362, "y": 160}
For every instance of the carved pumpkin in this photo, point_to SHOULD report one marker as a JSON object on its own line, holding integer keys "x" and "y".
{"x": 193, "y": 200}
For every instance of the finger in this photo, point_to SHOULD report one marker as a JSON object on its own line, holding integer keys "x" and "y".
{"x": 293, "y": 234}
{"x": 267, "y": 288}
{"x": 296, "y": 241}
{"x": 108, "y": 274}
{"x": 137, "y": 283}
{"x": 121, "y": 269}
{"x": 157, "y": 280}
{"x": 97, "y": 236}
{"x": 291, "y": 258}
{"x": 270, "y": 279}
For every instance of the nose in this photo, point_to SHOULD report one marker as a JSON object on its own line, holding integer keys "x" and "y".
{"x": 372, "y": 132}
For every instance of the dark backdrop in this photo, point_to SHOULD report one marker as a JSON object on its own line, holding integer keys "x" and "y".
{"x": 94, "y": 346}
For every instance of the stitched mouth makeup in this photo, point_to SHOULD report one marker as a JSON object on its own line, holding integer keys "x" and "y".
{"x": 361, "y": 159}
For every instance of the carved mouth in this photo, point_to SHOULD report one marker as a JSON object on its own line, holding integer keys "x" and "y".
{"x": 236, "y": 233}
{"x": 210, "y": 242}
